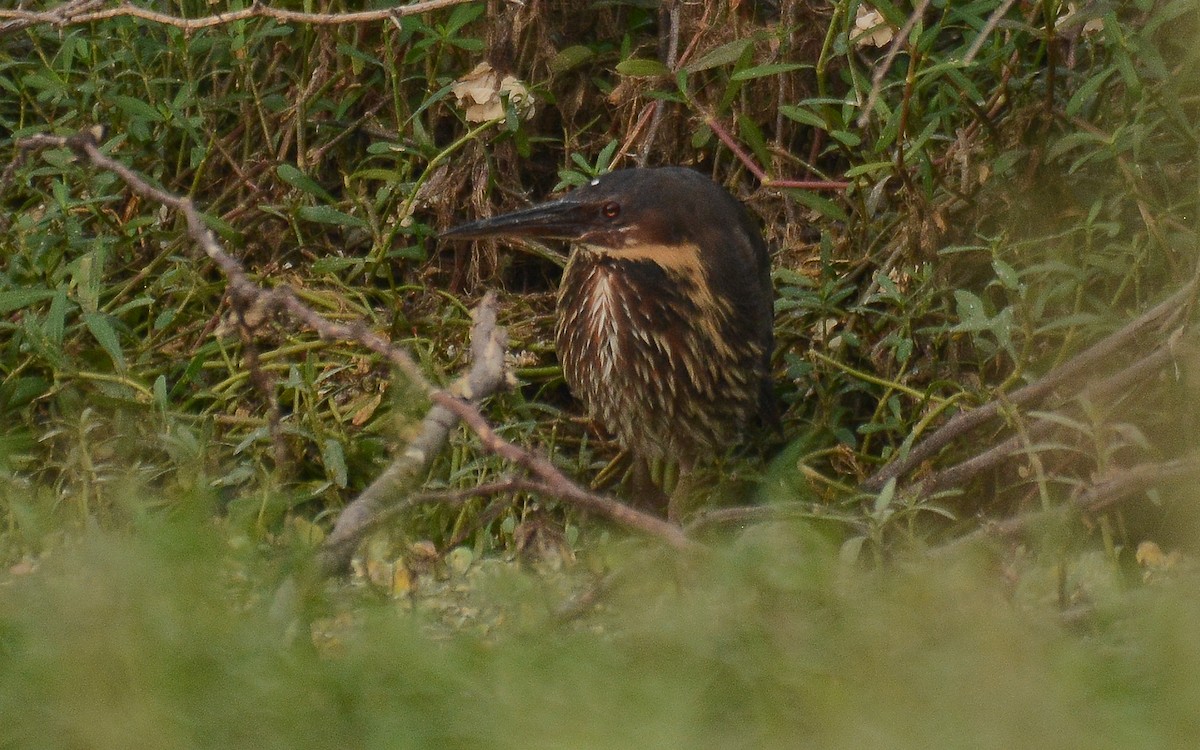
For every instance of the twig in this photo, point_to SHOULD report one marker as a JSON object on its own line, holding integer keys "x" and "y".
{"x": 265, "y": 384}
{"x": 1129, "y": 482}
{"x": 898, "y": 41}
{"x": 74, "y": 14}
{"x": 378, "y": 504}
{"x": 652, "y": 113}
{"x": 562, "y": 487}
{"x": 642, "y": 120}
{"x": 760, "y": 173}
{"x": 72, "y": 7}
{"x": 743, "y": 514}
{"x": 986, "y": 31}
{"x": 487, "y": 515}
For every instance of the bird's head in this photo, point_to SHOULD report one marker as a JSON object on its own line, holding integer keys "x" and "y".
{"x": 646, "y": 213}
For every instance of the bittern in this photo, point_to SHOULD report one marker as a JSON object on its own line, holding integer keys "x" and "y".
{"x": 664, "y": 326}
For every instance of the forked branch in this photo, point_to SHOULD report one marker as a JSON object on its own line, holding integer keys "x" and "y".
{"x": 255, "y": 305}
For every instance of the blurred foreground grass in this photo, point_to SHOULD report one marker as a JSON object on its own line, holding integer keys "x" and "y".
{"x": 168, "y": 636}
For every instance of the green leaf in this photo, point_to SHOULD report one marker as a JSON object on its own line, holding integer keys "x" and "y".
{"x": 17, "y": 299}
{"x": 970, "y": 311}
{"x": 86, "y": 273}
{"x": 1068, "y": 321}
{"x": 754, "y": 138}
{"x": 1087, "y": 91}
{"x": 851, "y": 549}
{"x": 1006, "y": 274}
{"x": 642, "y": 68}
{"x": 724, "y": 55}
{"x": 355, "y": 53}
{"x": 160, "y": 391}
{"x": 803, "y": 116}
{"x": 137, "y": 109}
{"x": 463, "y": 15}
{"x": 220, "y": 226}
{"x": 871, "y": 168}
{"x": 846, "y": 138}
{"x": 297, "y": 179}
{"x": 790, "y": 277}
{"x": 41, "y": 82}
{"x": 17, "y": 392}
{"x": 571, "y": 57}
{"x": 1073, "y": 141}
{"x": 56, "y": 319}
{"x": 606, "y": 154}
{"x": 334, "y": 458}
{"x": 333, "y": 264}
{"x": 821, "y": 205}
{"x": 885, "y": 496}
{"x": 762, "y": 71}
{"x": 104, "y": 333}
{"x": 330, "y": 215}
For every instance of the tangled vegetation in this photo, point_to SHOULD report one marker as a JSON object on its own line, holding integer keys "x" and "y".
{"x": 962, "y": 199}
{"x": 998, "y": 215}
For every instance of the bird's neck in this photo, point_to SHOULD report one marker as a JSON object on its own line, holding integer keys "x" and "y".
{"x": 658, "y": 280}
{"x": 683, "y": 257}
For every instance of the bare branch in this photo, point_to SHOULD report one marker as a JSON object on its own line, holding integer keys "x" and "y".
{"x": 744, "y": 514}
{"x": 1161, "y": 315}
{"x": 89, "y": 11}
{"x": 668, "y": 16}
{"x": 562, "y": 487}
{"x": 1109, "y": 388}
{"x": 1112, "y": 489}
{"x": 382, "y": 498}
{"x": 70, "y": 8}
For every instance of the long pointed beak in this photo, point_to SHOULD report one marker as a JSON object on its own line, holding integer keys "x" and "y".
{"x": 560, "y": 219}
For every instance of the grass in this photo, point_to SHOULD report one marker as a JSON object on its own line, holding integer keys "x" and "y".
{"x": 167, "y": 637}
{"x": 1001, "y": 215}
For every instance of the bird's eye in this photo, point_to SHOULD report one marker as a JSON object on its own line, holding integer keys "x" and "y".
{"x": 611, "y": 210}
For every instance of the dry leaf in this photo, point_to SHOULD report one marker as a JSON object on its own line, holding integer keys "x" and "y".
{"x": 1150, "y": 555}
{"x": 402, "y": 582}
{"x": 365, "y": 411}
{"x": 1090, "y": 27}
{"x": 482, "y": 93}
{"x": 872, "y": 30}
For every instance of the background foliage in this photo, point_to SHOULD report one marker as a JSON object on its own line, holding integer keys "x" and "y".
{"x": 1002, "y": 213}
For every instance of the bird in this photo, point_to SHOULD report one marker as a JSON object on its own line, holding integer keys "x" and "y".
{"x": 665, "y": 325}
